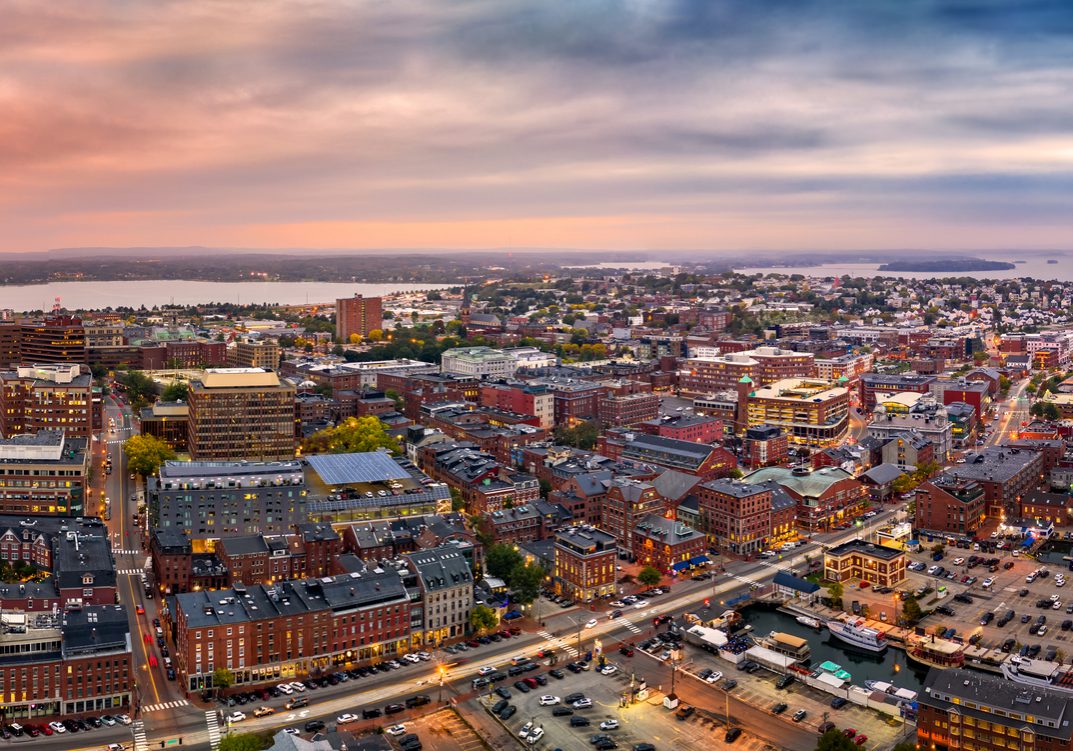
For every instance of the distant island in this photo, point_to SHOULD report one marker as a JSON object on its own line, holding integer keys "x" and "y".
{"x": 948, "y": 265}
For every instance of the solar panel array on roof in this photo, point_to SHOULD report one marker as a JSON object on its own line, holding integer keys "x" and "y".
{"x": 343, "y": 469}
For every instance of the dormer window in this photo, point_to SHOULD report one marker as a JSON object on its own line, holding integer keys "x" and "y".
{"x": 87, "y": 580}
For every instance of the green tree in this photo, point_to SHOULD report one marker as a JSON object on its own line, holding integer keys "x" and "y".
{"x": 353, "y": 435}
{"x": 500, "y": 560}
{"x": 650, "y": 576}
{"x": 176, "y": 391}
{"x": 582, "y": 435}
{"x": 140, "y": 388}
{"x": 911, "y": 610}
{"x": 145, "y": 453}
{"x": 835, "y": 740}
{"x": 482, "y": 618}
{"x": 457, "y": 502}
{"x": 834, "y": 591}
{"x": 244, "y": 742}
{"x": 222, "y": 678}
{"x": 525, "y": 580}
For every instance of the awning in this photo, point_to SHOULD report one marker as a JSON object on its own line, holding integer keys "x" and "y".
{"x": 698, "y": 560}
{"x": 681, "y": 566}
{"x": 512, "y": 615}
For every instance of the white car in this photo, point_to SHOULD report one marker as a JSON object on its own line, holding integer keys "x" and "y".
{"x": 609, "y": 725}
{"x": 640, "y": 604}
{"x": 932, "y": 570}
{"x": 1057, "y": 605}
{"x": 285, "y": 688}
{"x": 631, "y": 599}
{"x": 57, "y": 727}
{"x": 582, "y": 703}
{"x": 1059, "y": 582}
{"x": 591, "y": 624}
{"x": 411, "y": 658}
{"x": 609, "y": 670}
{"x": 525, "y": 729}
{"x": 299, "y": 687}
{"x": 714, "y": 677}
{"x": 1054, "y": 597}
{"x": 988, "y": 581}
{"x": 343, "y": 719}
{"x": 535, "y": 736}
{"x": 396, "y": 730}
{"x": 236, "y": 717}
{"x": 424, "y": 656}
{"x": 549, "y": 700}
{"x": 617, "y": 604}
{"x": 958, "y": 561}
{"x": 124, "y": 718}
{"x": 486, "y": 670}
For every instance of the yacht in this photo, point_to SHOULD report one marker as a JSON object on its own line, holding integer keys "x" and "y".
{"x": 805, "y": 620}
{"x": 1039, "y": 673}
{"x": 856, "y": 633}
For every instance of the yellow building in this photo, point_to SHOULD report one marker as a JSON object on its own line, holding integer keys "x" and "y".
{"x": 810, "y": 412}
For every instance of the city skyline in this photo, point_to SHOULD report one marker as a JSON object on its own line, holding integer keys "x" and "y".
{"x": 689, "y": 125}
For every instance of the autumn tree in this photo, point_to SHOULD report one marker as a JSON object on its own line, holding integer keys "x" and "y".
{"x": 353, "y": 435}
{"x": 145, "y": 453}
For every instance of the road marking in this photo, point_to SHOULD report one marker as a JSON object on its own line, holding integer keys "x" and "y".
{"x": 131, "y": 571}
{"x": 623, "y": 621}
{"x": 127, "y": 552}
{"x": 166, "y": 705}
{"x": 141, "y": 742}
{"x": 213, "y": 723}
{"x": 557, "y": 641}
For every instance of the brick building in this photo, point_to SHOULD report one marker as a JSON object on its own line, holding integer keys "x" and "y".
{"x": 765, "y": 445}
{"x": 584, "y": 562}
{"x": 627, "y": 409}
{"x": 811, "y": 413}
{"x": 627, "y": 502}
{"x": 51, "y": 340}
{"x": 523, "y": 398}
{"x": 290, "y": 630}
{"x": 1005, "y": 474}
{"x": 825, "y": 497}
{"x": 357, "y": 315}
{"x": 49, "y": 397}
{"x": 858, "y": 560}
{"x": 667, "y": 544}
{"x": 950, "y": 504}
{"x": 961, "y": 707}
{"x": 693, "y": 428}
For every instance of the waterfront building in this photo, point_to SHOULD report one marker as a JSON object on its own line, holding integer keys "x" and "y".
{"x": 858, "y": 560}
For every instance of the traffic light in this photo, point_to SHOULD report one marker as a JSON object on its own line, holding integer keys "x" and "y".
{"x": 707, "y": 602}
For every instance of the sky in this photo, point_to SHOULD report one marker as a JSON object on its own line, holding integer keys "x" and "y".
{"x": 639, "y": 124}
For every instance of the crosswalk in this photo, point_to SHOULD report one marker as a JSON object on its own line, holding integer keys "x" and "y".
{"x": 559, "y": 643}
{"x": 126, "y": 552}
{"x": 166, "y": 705}
{"x": 623, "y": 621}
{"x": 141, "y": 742}
{"x": 213, "y": 722}
{"x": 130, "y": 571}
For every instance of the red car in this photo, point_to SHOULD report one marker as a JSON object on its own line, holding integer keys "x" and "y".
{"x": 850, "y": 733}
{"x": 140, "y": 610}
{"x": 861, "y": 740}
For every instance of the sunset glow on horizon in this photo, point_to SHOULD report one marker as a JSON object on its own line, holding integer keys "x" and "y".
{"x": 485, "y": 124}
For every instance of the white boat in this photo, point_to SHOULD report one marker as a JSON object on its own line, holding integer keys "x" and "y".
{"x": 886, "y": 688}
{"x": 857, "y": 634}
{"x": 1039, "y": 673}
{"x": 804, "y": 620}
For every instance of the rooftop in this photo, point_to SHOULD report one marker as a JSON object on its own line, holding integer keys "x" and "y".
{"x": 865, "y": 548}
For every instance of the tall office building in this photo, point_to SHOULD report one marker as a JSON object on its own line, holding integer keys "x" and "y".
{"x": 56, "y": 339}
{"x": 241, "y": 413}
{"x": 253, "y": 353}
{"x": 357, "y": 315}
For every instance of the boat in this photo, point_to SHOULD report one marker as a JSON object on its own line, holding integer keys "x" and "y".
{"x": 886, "y": 688}
{"x": 935, "y": 652}
{"x": 833, "y": 668}
{"x": 1038, "y": 673}
{"x": 855, "y": 633}
{"x": 902, "y": 694}
{"x": 805, "y": 620}
{"x": 787, "y": 644}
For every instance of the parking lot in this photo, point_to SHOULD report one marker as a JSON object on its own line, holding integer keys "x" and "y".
{"x": 966, "y": 604}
